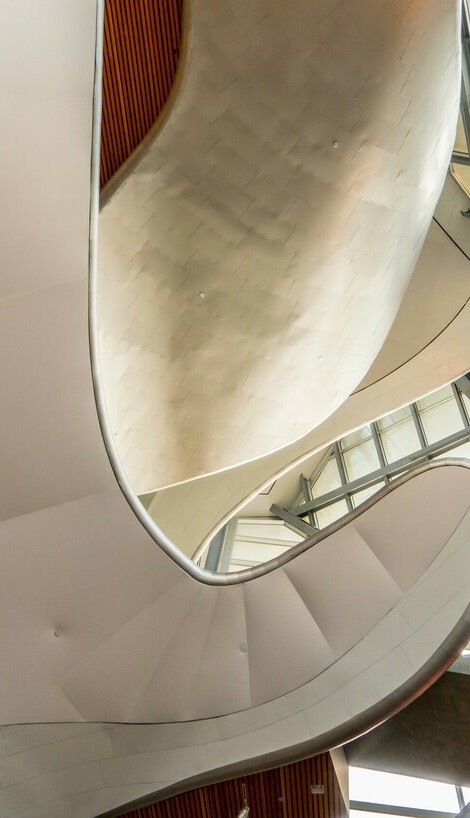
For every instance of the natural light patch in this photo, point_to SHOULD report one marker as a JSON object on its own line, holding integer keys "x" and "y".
{"x": 376, "y": 787}
{"x": 355, "y": 813}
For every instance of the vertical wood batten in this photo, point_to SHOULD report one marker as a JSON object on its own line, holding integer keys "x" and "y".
{"x": 280, "y": 793}
{"x": 140, "y": 56}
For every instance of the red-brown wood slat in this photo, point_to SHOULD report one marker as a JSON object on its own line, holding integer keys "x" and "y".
{"x": 280, "y": 793}
{"x": 141, "y": 42}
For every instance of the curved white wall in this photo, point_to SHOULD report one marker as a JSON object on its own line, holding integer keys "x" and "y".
{"x": 80, "y": 770}
{"x": 429, "y": 341}
{"x": 302, "y": 251}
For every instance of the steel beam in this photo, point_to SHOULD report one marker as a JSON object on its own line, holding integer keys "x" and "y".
{"x": 293, "y": 521}
{"x": 460, "y": 404}
{"x": 342, "y": 472}
{"x": 460, "y": 797}
{"x": 418, "y": 425}
{"x": 307, "y": 492}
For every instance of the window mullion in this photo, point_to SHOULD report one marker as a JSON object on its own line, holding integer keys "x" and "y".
{"x": 342, "y": 473}
{"x": 460, "y": 404}
{"x": 378, "y": 447}
{"x": 418, "y": 425}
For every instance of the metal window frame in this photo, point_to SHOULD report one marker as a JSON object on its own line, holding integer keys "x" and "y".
{"x": 415, "y": 414}
{"x": 387, "y": 470}
{"x": 220, "y": 551}
{"x": 392, "y": 469}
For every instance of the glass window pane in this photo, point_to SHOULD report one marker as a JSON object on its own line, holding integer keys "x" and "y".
{"x": 434, "y": 398}
{"x": 361, "y": 460}
{"x": 460, "y": 145}
{"x": 394, "y": 418}
{"x": 466, "y": 794}
{"x": 364, "y": 433}
{"x": 328, "y": 480}
{"x": 363, "y": 495}
{"x": 466, "y": 403}
{"x": 401, "y": 790}
{"x": 400, "y": 440}
{"x": 356, "y": 813}
{"x": 459, "y": 451}
{"x": 331, "y": 513}
{"x": 441, "y": 420}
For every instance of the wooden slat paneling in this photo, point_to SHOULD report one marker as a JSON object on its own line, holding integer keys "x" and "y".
{"x": 140, "y": 54}
{"x": 280, "y": 793}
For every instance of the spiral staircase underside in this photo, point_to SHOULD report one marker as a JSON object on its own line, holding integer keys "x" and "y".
{"x": 99, "y": 624}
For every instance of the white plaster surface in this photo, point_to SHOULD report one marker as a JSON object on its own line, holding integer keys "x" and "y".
{"x": 44, "y": 772}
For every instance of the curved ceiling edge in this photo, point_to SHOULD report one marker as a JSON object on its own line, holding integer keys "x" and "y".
{"x": 160, "y": 538}
{"x": 442, "y": 360}
{"x": 149, "y": 524}
{"x": 337, "y": 525}
{"x": 164, "y": 542}
{"x": 431, "y": 340}
{"x": 410, "y": 690}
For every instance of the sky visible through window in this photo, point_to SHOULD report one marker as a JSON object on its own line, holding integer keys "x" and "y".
{"x": 375, "y": 787}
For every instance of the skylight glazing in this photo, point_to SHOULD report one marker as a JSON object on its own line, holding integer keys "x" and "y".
{"x": 352, "y": 470}
{"x": 390, "y": 789}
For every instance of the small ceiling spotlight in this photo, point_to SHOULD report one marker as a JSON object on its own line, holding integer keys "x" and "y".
{"x": 335, "y": 144}
{"x": 202, "y": 295}
{"x": 58, "y": 632}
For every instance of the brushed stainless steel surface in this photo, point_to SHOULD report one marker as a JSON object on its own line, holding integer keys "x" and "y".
{"x": 302, "y": 250}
